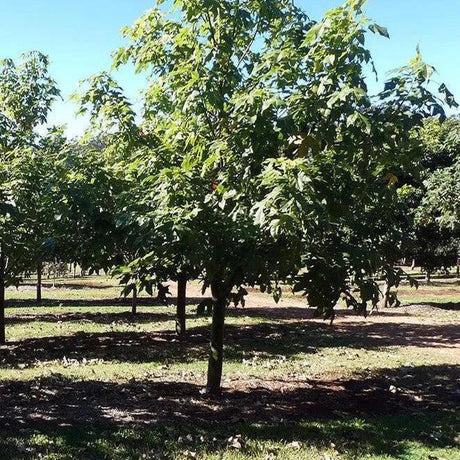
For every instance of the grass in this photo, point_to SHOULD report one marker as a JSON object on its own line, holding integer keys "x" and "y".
{"x": 82, "y": 378}
{"x": 387, "y": 437}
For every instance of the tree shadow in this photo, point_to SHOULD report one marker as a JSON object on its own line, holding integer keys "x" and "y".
{"x": 114, "y": 302}
{"x": 136, "y": 347}
{"x": 302, "y": 313}
{"x": 360, "y": 415}
{"x": 70, "y": 285}
{"x": 91, "y": 317}
{"x": 308, "y": 337}
{"x": 264, "y": 340}
{"x": 453, "y": 306}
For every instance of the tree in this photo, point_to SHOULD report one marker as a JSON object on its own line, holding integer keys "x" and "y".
{"x": 341, "y": 192}
{"x": 214, "y": 87}
{"x": 129, "y": 151}
{"x": 432, "y": 200}
{"x": 268, "y": 155}
{"x": 26, "y": 95}
{"x": 35, "y": 188}
{"x": 86, "y": 227}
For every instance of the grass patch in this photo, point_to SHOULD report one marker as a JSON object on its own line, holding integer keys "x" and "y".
{"x": 81, "y": 377}
{"x": 405, "y": 437}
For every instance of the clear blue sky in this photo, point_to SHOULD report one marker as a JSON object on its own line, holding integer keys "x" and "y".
{"x": 80, "y": 35}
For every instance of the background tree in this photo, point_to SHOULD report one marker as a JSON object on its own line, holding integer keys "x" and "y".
{"x": 26, "y": 95}
{"x": 35, "y": 188}
{"x": 142, "y": 228}
{"x": 433, "y": 197}
{"x": 86, "y": 215}
{"x": 340, "y": 194}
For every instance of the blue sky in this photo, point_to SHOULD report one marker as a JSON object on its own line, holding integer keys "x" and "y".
{"x": 80, "y": 35}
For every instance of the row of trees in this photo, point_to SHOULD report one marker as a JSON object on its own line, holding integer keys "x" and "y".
{"x": 260, "y": 159}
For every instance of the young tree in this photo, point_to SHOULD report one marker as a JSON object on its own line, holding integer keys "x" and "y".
{"x": 168, "y": 252}
{"x": 342, "y": 192}
{"x": 212, "y": 105}
{"x": 268, "y": 154}
{"x": 86, "y": 213}
{"x": 35, "y": 188}
{"x": 26, "y": 95}
{"x": 433, "y": 201}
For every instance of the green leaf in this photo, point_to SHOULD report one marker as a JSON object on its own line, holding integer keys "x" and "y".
{"x": 375, "y": 28}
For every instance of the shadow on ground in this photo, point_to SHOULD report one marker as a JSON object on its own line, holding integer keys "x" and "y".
{"x": 140, "y": 317}
{"x": 243, "y": 341}
{"x": 117, "y": 301}
{"x": 82, "y": 284}
{"x": 361, "y": 414}
{"x": 140, "y": 347}
{"x": 304, "y": 312}
{"x": 454, "y": 306}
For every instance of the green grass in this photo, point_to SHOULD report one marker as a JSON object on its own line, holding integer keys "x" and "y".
{"x": 411, "y": 438}
{"x": 83, "y": 378}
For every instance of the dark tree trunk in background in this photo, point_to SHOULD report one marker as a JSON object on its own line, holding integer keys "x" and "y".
{"x": 2, "y": 298}
{"x": 39, "y": 282}
{"x": 134, "y": 301}
{"x": 219, "y": 295}
{"x": 181, "y": 302}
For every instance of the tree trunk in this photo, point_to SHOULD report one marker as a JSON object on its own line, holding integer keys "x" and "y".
{"x": 181, "y": 302}
{"x": 413, "y": 264}
{"x": 217, "y": 340}
{"x": 2, "y": 299}
{"x": 428, "y": 277}
{"x": 134, "y": 301}
{"x": 74, "y": 269}
{"x": 39, "y": 282}
{"x": 386, "y": 295}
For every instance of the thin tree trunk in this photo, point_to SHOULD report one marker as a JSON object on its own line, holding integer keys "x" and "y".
{"x": 386, "y": 295}
{"x": 2, "y": 298}
{"x": 181, "y": 302}
{"x": 217, "y": 341}
{"x": 428, "y": 277}
{"x": 74, "y": 270}
{"x": 39, "y": 282}
{"x": 134, "y": 301}
{"x": 413, "y": 264}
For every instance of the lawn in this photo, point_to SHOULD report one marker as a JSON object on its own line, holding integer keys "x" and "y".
{"x": 81, "y": 377}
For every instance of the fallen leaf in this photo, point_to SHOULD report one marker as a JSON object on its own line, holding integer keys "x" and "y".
{"x": 294, "y": 445}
